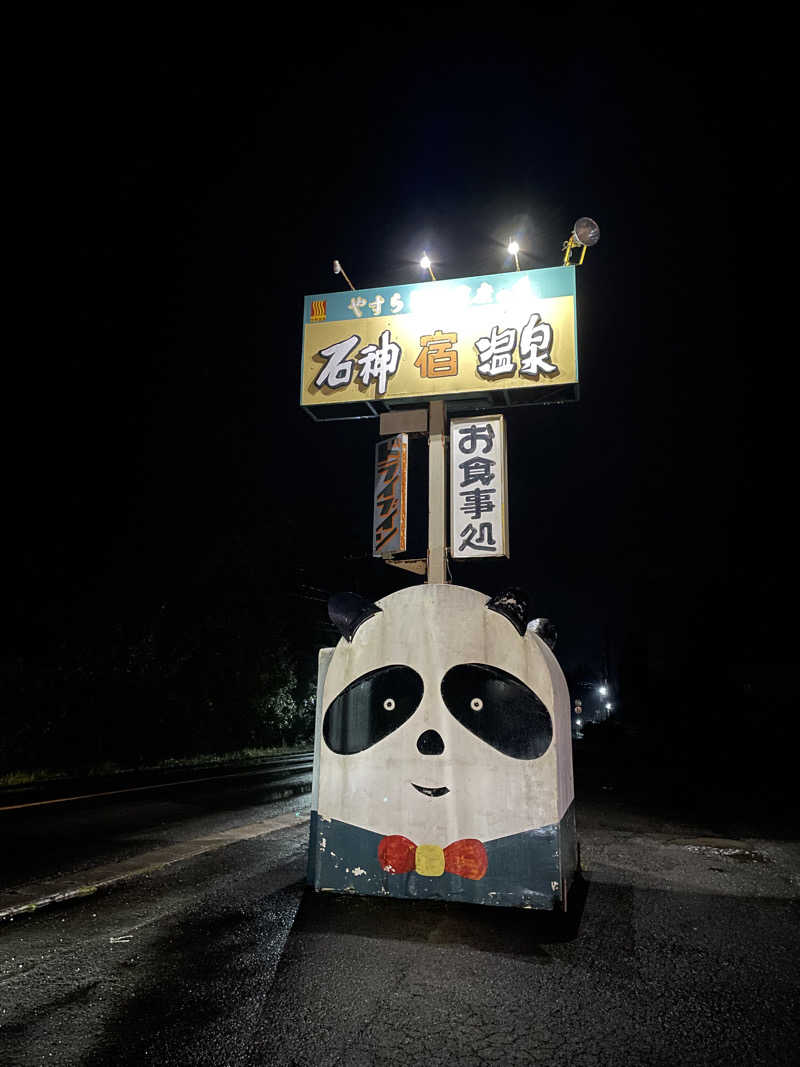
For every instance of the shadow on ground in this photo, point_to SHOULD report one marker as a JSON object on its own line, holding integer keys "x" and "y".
{"x": 507, "y": 931}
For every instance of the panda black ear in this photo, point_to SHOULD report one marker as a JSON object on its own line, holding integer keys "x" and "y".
{"x": 512, "y": 605}
{"x": 348, "y": 610}
{"x": 545, "y": 629}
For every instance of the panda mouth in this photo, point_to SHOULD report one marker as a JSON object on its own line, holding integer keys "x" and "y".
{"x": 431, "y": 791}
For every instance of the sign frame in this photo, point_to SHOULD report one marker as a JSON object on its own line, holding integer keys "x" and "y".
{"x": 360, "y": 363}
{"x": 390, "y": 496}
{"x": 475, "y": 479}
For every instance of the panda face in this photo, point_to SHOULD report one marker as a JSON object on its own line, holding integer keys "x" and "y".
{"x": 439, "y": 722}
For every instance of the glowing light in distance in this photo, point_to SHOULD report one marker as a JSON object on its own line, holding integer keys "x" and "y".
{"x": 425, "y": 263}
{"x": 513, "y": 248}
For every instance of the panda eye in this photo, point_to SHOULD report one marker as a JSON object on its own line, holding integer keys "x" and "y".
{"x": 371, "y": 708}
{"x": 499, "y": 709}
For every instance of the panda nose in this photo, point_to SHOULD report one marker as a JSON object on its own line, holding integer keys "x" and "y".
{"x": 430, "y": 743}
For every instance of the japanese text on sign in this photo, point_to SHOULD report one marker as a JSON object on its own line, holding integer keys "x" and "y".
{"x": 509, "y": 332}
{"x": 389, "y": 504}
{"x": 478, "y": 505}
{"x": 438, "y": 356}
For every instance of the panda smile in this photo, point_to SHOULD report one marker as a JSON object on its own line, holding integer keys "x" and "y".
{"x": 431, "y": 791}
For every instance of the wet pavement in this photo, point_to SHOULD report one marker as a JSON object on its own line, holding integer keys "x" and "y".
{"x": 651, "y": 977}
{"x": 59, "y": 829}
{"x": 684, "y": 950}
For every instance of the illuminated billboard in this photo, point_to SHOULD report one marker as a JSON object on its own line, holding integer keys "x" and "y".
{"x": 461, "y": 337}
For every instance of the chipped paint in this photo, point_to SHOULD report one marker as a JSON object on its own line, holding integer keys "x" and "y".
{"x": 521, "y": 869}
{"x": 526, "y": 830}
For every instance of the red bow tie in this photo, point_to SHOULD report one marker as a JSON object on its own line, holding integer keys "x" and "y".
{"x": 467, "y": 858}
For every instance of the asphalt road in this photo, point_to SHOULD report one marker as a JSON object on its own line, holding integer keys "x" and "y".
{"x": 58, "y": 829}
{"x": 686, "y": 950}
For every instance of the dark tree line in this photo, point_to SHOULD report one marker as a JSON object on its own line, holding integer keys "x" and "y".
{"x": 218, "y": 661}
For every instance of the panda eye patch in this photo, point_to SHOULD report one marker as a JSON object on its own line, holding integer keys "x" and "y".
{"x": 499, "y": 709}
{"x": 370, "y": 708}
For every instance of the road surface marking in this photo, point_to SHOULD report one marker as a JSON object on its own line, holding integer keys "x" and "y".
{"x": 84, "y": 883}
{"x": 136, "y": 789}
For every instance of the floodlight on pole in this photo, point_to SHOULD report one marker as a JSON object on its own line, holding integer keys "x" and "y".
{"x": 513, "y": 250}
{"x": 585, "y": 233}
{"x": 425, "y": 263}
{"x": 339, "y": 269}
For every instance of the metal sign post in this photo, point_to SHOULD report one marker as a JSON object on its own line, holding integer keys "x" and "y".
{"x": 437, "y": 494}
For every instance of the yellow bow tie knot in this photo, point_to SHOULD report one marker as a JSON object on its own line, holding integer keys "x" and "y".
{"x": 429, "y": 860}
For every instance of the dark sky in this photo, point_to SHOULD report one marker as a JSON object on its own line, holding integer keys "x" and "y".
{"x": 181, "y": 200}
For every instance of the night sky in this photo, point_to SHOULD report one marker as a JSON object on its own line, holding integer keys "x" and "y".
{"x": 181, "y": 200}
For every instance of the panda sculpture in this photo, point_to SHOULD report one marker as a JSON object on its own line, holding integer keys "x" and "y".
{"x": 443, "y": 760}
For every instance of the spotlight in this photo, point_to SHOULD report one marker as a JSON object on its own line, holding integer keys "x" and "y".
{"x": 586, "y": 231}
{"x": 425, "y": 263}
{"x": 585, "y": 234}
{"x": 339, "y": 269}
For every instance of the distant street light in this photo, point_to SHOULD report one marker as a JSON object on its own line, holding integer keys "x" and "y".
{"x": 609, "y": 707}
{"x": 513, "y": 250}
{"x": 425, "y": 263}
{"x": 603, "y": 691}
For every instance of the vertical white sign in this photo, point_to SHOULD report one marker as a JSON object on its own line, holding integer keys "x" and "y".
{"x": 478, "y": 488}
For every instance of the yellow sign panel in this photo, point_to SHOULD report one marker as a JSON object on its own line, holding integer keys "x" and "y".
{"x": 512, "y": 331}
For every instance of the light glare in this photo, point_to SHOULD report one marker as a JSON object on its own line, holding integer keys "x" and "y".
{"x": 513, "y": 248}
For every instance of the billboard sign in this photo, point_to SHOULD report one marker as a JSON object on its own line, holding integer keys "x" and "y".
{"x": 466, "y": 336}
{"x": 389, "y": 502}
{"x": 478, "y": 488}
